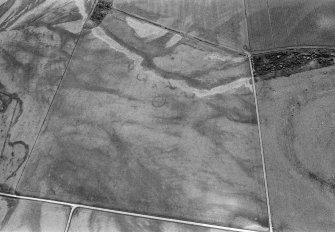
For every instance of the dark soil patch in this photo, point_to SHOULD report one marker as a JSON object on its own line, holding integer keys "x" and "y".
{"x": 5, "y": 100}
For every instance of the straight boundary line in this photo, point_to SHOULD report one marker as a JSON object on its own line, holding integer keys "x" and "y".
{"x": 68, "y": 224}
{"x": 261, "y": 146}
{"x": 279, "y": 49}
{"x": 74, "y": 206}
{"x": 184, "y": 34}
{"x": 258, "y": 122}
{"x": 54, "y": 97}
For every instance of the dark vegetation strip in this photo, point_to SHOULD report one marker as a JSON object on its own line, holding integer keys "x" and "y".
{"x": 287, "y": 62}
{"x": 100, "y": 11}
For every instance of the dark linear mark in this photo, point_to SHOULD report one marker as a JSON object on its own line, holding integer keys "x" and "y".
{"x": 5, "y": 100}
{"x": 26, "y": 151}
{"x": 325, "y": 184}
{"x": 287, "y": 62}
{"x": 12, "y": 205}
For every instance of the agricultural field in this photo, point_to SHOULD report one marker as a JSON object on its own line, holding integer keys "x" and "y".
{"x": 220, "y": 22}
{"x": 285, "y": 23}
{"x": 90, "y": 220}
{"x": 297, "y": 120}
{"x": 149, "y": 122}
{"x": 167, "y": 115}
{"x": 36, "y": 42}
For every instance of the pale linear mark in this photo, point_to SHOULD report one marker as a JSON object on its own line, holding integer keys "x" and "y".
{"x": 82, "y": 10}
{"x": 81, "y": 7}
{"x": 119, "y": 212}
{"x": 69, "y": 219}
{"x": 174, "y": 40}
{"x": 259, "y": 129}
{"x": 261, "y": 147}
{"x": 146, "y": 30}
